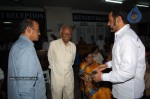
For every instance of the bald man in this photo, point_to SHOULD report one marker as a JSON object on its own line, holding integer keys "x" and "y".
{"x": 25, "y": 75}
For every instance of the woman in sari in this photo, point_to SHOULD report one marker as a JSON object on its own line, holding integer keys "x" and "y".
{"x": 87, "y": 83}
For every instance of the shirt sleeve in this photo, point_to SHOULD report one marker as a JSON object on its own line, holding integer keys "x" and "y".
{"x": 74, "y": 53}
{"x": 109, "y": 65}
{"x": 128, "y": 62}
{"x": 50, "y": 54}
{"x": 27, "y": 72}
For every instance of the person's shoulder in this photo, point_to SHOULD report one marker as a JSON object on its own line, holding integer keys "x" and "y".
{"x": 95, "y": 63}
{"x": 20, "y": 47}
{"x": 99, "y": 54}
{"x": 130, "y": 35}
{"x": 20, "y": 43}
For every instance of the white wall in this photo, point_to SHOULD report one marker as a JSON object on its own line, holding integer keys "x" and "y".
{"x": 56, "y": 17}
{"x": 92, "y": 25}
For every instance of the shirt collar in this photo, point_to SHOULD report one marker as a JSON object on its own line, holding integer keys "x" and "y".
{"x": 120, "y": 32}
{"x": 25, "y": 38}
{"x": 61, "y": 42}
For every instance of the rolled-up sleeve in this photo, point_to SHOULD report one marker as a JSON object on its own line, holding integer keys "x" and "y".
{"x": 109, "y": 65}
{"x": 126, "y": 66}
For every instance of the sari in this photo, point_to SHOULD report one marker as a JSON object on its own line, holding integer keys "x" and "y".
{"x": 87, "y": 86}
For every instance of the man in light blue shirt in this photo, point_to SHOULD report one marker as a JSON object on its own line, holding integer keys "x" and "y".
{"x": 25, "y": 75}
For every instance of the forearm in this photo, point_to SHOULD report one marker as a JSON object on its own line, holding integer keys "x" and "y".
{"x": 117, "y": 76}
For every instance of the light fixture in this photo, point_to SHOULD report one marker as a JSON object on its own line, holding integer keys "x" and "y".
{"x": 16, "y": 0}
{"x": 7, "y": 22}
{"x": 141, "y": 5}
{"x": 114, "y": 1}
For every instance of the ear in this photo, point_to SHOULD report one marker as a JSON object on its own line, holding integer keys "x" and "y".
{"x": 118, "y": 19}
{"x": 28, "y": 30}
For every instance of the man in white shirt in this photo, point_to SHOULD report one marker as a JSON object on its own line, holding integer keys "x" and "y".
{"x": 128, "y": 60}
{"x": 61, "y": 55}
{"x": 100, "y": 43}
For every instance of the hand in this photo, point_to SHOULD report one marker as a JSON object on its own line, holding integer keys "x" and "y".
{"x": 97, "y": 77}
{"x": 99, "y": 69}
{"x": 86, "y": 77}
{"x": 104, "y": 66}
{"x": 83, "y": 78}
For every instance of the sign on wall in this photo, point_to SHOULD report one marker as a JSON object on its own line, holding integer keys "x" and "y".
{"x": 89, "y": 17}
{"x": 19, "y": 15}
{"x": 10, "y": 23}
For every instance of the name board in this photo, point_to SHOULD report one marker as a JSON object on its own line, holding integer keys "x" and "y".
{"x": 89, "y": 17}
{"x": 19, "y": 15}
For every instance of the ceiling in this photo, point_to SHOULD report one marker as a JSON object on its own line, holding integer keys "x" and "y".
{"x": 76, "y": 4}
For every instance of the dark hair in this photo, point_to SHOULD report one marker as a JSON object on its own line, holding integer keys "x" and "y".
{"x": 86, "y": 54}
{"x": 94, "y": 48}
{"x": 121, "y": 13}
{"x": 24, "y": 24}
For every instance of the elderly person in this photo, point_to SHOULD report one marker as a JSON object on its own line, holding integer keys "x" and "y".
{"x": 61, "y": 55}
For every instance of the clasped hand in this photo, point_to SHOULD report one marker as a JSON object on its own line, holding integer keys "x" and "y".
{"x": 99, "y": 69}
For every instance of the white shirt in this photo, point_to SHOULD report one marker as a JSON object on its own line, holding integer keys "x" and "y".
{"x": 100, "y": 44}
{"x": 128, "y": 65}
{"x": 98, "y": 58}
{"x": 61, "y": 59}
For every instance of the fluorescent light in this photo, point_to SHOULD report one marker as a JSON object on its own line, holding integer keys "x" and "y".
{"x": 113, "y": 1}
{"x": 7, "y": 22}
{"x": 141, "y": 5}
